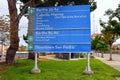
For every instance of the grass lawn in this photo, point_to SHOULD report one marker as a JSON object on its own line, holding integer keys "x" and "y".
{"x": 59, "y": 70}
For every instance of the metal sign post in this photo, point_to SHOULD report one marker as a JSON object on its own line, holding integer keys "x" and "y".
{"x": 31, "y": 39}
{"x": 88, "y": 68}
{"x": 35, "y": 69}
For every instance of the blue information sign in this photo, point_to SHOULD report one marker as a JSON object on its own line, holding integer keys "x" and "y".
{"x": 62, "y": 29}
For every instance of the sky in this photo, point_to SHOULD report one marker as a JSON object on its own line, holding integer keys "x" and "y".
{"x": 102, "y": 6}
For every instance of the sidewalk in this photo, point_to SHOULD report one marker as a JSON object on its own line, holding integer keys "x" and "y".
{"x": 114, "y": 63}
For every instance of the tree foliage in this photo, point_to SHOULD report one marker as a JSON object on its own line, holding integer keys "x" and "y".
{"x": 4, "y": 30}
{"x": 113, "y": 13}
{"x": 42, "y": 3}
{"x": 111, "y": 29}
{"x": 98, "y": 44}
{"x": 116, "y": 27}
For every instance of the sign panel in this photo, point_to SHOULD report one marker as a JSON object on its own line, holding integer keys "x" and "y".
{"x": 62, "y": 29}
{"x": 61, "y": 36}
{"x": 62, "y": 48}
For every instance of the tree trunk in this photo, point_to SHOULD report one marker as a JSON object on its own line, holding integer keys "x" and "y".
{"x": 2, "y": 48}
{"x": 110, "y": 52}
{"x": 14, "y": 25}
{"x": 14, "y": 44}
{"x": 10, "y": 55}
{"x": 14, "y": 40}
{"x": 102, "y": 56}
{"x": 31, "y": 55}
{"x": 98, "y": 53}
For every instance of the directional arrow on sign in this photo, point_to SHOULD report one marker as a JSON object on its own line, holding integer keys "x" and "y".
{"x": 30, "y": 47}
{"x": 31, "y": 11}
{"x": 30, "y": 38}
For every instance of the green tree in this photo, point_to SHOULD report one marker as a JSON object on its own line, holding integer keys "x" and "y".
{"x": 116, "y": 27}
{"x": 109, "y": 38}
{"x": 4, "y": 31}
{"x": 102, "y": 47}
{"x": 94, "y": 42}
{"x": 98, "y": 44}
{"x": 112, "y": 14}
{"x": 14, "y": 26}
{"x": 62, "y": 2}
{"x": 111, "y": 29}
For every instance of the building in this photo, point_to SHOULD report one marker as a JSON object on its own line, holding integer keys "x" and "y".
{"x": 116, "y": 48}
